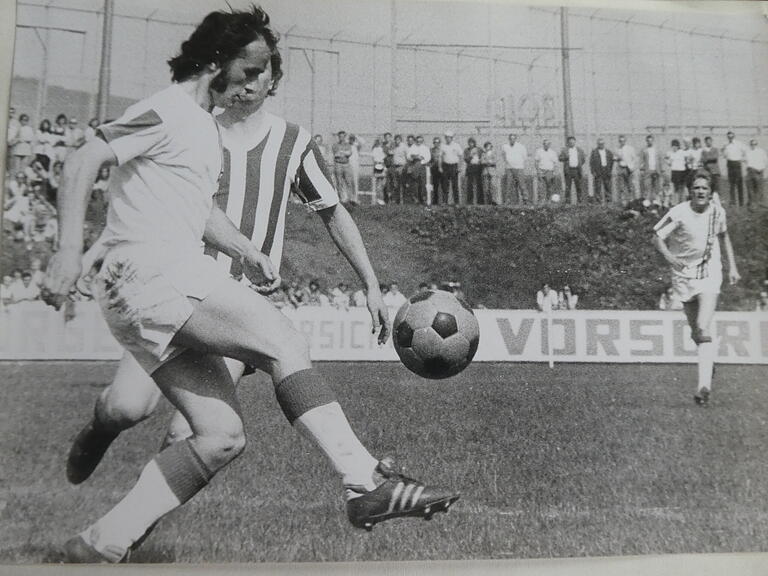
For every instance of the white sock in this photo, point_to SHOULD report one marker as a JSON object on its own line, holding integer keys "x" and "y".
{"x": 149, "y": 500}
{"x": 706, "y": 363}
{"x": 328, "y": 427}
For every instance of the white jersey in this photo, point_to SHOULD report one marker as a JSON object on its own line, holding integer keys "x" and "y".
{"x": 693, "y": 237}
{"x": 168, "y": 152}
{"x": 259, "y": 172}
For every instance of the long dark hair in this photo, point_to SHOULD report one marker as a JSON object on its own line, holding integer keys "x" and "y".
{"x": 219, "y": 39}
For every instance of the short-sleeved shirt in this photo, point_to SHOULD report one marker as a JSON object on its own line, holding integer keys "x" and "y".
{"x": 260, "y": 169}
{"x": 546, "y": 159}
{"x": 677, "y": 160}
{"x": 693, "y": 238}
{"x": 451, "y": 152}
{"x": 514, "y": 155}
{"x": 168, "y": 152}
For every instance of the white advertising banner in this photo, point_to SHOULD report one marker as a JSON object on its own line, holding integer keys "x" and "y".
{"x": 33, "y": 331}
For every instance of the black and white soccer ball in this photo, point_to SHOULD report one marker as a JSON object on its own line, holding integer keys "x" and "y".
{"x": 436, "y": 334}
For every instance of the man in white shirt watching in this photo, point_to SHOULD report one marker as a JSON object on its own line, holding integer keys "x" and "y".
{"x": 757, "y": 160}
{"x": 515, "y": 156}
{"x": 546, "y": 161}
{"x": 627, "y": 159}
{"x": 734, "y": 153}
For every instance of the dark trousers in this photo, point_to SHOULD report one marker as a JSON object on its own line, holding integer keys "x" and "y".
{"x": 436, "y": 184}
{"x": 395, "y": 176}
{"x": 754, "y": 187}
{"x": 735, "y": 183}
{"x": 651, "y": 184}
{"x": 572, "y": 175}
{"x": 601, "y": 183}
{"x": 450, "y": 178}
{"x": 475, "y": 185}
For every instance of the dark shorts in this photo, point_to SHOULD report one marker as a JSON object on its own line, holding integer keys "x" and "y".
{"x": 679, "y": 176}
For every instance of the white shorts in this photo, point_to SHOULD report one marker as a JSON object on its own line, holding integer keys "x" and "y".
{"x": 686, "y": 289}
{"x": 145, "y": 302}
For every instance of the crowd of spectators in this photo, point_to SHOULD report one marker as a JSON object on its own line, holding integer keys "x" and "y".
{"x": 549, "y": 299}
{"x": 22, "y": 285}
{"x": 408, "y": 171}
{"x": 35, "y": 161}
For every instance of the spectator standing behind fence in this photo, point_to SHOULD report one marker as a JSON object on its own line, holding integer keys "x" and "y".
{"x": 90, "y": 131}
{"x": 734, "y": 153}
{"x": 450, "y": 156}
{"x": 342, "y": 171}
{"x": 601, "y": 166}
{"x": 627, "y": 161}
{"x": 515, "y": 156}
{"x": 12, "y": 134}
{"x": 710, "y": 160}
{"x": 567, "y": 300}
{"x": 651, "y": 170}
{"x": 546, "y": 298}
{"x": 573, "y": 159}
{"x": 545, "y": 160}
{"x": 676, "y": 161}
{"x": 474, "y": 172}
{"x": 74, "y": 137}
{"x": 756, "y": 165}
{"x": 393, "y": 298}
{"x": 59, "y": 131}
{"x": 399, "y": 162}
{"x": 355, "y": 144}
{"x": 44, "y": 140}
{"x": 420, "y": 157}
{"x": 379, "y": 172}
{"x": 23, "y": 145}
{"x": 434, "y": 170}
{"x": 388, "y": 145}
{"x": 488, "y": 160}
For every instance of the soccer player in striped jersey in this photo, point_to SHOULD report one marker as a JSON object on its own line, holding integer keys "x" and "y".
{"x": 264, "y": 159}
{"x": 688, "y": 237}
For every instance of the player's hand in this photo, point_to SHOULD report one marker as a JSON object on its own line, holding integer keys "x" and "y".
{"x": 379, "y": 314}
{"x": 258, "y": 268}
{"x": 61, "y": 274}
{"x": 734, "y": 276}
{"x": 677, "y": 264}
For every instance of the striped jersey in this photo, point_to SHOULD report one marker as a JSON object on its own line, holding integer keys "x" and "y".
{"x": 260, "y": 170}
{"x": 693, "y": 237}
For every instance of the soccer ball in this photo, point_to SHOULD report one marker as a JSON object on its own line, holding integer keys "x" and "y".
{"x": 436, "y": 334}
{"x": 555, "y": 198}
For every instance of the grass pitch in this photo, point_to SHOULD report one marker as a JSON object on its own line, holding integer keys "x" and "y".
{"x": 582, "y": 460}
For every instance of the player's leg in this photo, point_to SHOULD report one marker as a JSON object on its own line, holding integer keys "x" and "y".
{"x": 707, "y": 303}
{"x": 230, "y": 322}
{"x": 199, "y": 386}
{"x": 179, "y": 428}
{"x": 130, "y": 398}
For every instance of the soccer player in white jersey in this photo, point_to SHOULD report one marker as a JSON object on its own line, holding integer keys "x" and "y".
{"x": 689, "y": 236}
{"x": 178, "y": 312}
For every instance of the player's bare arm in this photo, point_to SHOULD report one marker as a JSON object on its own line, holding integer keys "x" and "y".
{"x": 733, "y": 272}
{"x": 346, "y": 236}
{"x": 673, "y": 260}
{"x": 222, "y": 234}
{"x": 78, "y": 178}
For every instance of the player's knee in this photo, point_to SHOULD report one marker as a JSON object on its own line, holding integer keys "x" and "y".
{"x": 222, "y": 443}
{"x": 122, "y": 411}
{"x": 292, "y": 351}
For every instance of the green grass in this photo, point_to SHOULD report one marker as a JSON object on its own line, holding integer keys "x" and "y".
{"x": 582, "y": 460}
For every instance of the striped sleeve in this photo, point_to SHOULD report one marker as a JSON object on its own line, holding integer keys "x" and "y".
{"x": 312, "y": 181}
{"x": 134, "y": 134}
{"x": 721, "y": 226}
{"x": 666, "y": 225}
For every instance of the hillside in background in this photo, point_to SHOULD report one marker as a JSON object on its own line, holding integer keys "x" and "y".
{"x": 502, "y": 255}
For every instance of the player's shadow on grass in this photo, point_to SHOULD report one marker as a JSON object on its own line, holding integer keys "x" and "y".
{"x": 152, "y": 554}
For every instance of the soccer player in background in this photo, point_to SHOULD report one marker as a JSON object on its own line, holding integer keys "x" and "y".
{"x": 688, "y": 237}
{"x": 264, "y": 158}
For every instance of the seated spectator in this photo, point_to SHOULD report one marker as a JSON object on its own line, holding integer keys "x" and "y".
{"x": 546, "y": 299}
{"x": 567, "y": 300}
{"x": 340, "y": 296}
{"x": 282, "y": 298}
{"x": 37, "y": 271}
{"x": 90, "y": 131}
{"x": 762, "y": 302}
{"x": 54, "y": 181}
{"x": 42, "y": 220}
{"x": 16, "y": 214}
{"x": 316, "y": 296}
{"x": 6, "y": 291}
{"x": 17, "y": 186}
{"x": 299, "y": 294}
{"x": 394, "y": 298}
{"x": 26, "y": 291}
{"x": 669, "y": 300}
{"x": 360, "y": 298}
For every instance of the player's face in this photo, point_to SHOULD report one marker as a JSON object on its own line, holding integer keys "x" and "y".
{"x": 700, "y": 193}
{"x": 247, "y": 78}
